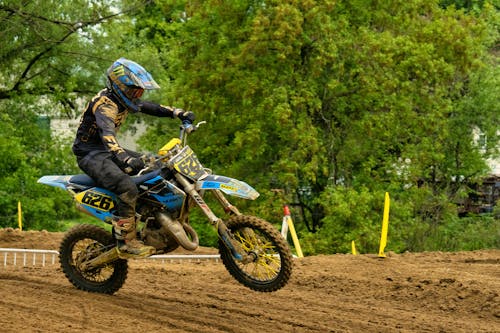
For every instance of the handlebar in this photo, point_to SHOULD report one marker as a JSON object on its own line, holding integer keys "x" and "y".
{"x": 187, "y": 128}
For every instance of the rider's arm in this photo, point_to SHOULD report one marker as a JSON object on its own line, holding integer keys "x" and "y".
{"x": 105, "y": 114}
{"x": 157, "y": 110}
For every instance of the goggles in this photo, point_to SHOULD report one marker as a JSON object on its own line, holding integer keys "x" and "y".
{"x": 134, "y": 93}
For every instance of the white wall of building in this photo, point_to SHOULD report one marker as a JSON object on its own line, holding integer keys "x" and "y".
{"x": 66, "y": 129}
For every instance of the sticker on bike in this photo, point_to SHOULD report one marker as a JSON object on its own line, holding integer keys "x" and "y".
{"x": 188, "y": 164}
{"x": 95, "y": 199}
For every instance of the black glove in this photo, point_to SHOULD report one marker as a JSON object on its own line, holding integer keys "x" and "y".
{"x": 130, "y": 164}
{"x": 135, "y": 163}
{"x": 185, "y": 115}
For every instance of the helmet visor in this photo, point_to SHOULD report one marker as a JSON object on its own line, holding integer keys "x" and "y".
{"x": 134, "y": 92}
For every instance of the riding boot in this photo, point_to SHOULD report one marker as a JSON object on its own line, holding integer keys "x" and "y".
{"x": 126, "y": 237}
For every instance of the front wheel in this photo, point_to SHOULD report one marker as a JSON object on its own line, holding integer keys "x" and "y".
{"x": 85, "y": 242}
{"x": 271, "y": 266}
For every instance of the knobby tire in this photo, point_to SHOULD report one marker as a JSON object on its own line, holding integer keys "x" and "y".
{"x": 99, "y": 238}
{"x": 273, "y": 254}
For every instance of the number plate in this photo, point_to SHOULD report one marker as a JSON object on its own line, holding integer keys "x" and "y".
{"x": 188, "y": 164}
{"x": 94, "y": 199}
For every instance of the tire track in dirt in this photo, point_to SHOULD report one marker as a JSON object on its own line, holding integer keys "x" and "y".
{"x": 424, "y": 292}
{"x": 231, "y": 298}
{"x": 27, "y": 300}
{"x": 214, "y": 305}
{"x": 174, "y": 299}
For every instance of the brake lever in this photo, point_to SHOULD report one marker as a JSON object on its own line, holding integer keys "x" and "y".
{"x": 143, "y": 171}
{"x": 150, "y": 166}
{"x": 189, "y": 127}
{"x": 200, "y": 123}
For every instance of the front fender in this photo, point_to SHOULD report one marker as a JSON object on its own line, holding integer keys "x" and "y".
{"x": 227, "y": 185}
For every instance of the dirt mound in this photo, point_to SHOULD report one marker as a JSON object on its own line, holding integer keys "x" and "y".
{"x": 411, "y": 292}
{"x": 44, "y": 240}
{"x": 15, "y": 238}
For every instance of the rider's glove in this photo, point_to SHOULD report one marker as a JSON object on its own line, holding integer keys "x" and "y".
{"x": 184, "y": 115}
{"x": 130, "y": 163}
{"x": 136, "y": 164}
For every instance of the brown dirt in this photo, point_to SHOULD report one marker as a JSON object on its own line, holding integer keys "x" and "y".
{"x": 411, "y": 292}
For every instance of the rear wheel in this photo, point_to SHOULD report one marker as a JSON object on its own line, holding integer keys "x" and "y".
{"x": 270, "y": 264}
{"x": 85, "y": 242}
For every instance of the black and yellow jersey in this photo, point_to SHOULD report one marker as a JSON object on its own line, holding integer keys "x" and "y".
{"x": 102, "y": 119}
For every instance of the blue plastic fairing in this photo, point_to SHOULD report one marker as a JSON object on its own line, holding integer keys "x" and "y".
{"x": 228, "y": 185}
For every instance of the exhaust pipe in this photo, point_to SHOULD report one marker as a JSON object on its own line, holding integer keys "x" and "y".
{"x": 178, "y": 231}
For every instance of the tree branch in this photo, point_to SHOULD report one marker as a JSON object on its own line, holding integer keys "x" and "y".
{"x": 71, "y": 28}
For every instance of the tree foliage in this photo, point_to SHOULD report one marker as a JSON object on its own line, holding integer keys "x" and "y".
{"x": 323, "y": 97}
{"x": 52, "y": 53}
{"x": 27, "y": 152}
{"x": 58, "y": 51}
{"x": 321, "y": 104}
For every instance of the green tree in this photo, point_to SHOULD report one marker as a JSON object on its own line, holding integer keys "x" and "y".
{"x": 331, "y": 102}
{"x": 27, "y": 152}
{"x": 321, "y": 95}
{"x": 53, "y": 53}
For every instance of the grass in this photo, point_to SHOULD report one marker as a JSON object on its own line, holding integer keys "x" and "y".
{"x": 68, "y": 224}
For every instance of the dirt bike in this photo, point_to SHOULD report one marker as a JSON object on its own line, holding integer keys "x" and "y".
{"x": 173, "y": 182}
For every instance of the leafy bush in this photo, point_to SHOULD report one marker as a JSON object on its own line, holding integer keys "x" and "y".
{"x": 27, "y": 152}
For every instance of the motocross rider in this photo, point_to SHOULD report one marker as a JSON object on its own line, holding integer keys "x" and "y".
{"x": 99, "y": 154}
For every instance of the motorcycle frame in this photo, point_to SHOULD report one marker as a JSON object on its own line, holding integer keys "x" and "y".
{"x": 217, "y": 222}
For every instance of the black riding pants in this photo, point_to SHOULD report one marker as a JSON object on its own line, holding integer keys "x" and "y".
{"x": 105, "y": 170}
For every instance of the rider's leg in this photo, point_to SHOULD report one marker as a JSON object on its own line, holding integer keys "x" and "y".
{"x": 101, "y": 167}
{"x": 125, "y": 226}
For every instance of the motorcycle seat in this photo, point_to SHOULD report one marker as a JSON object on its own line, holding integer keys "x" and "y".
{"x": 86, "y": 180}
{"x": 82, "y": 179}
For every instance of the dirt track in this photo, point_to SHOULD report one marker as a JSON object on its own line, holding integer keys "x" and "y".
{"x": 421, "y": 292}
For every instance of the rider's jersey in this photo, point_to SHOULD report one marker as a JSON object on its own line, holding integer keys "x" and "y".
{"x": 102, "y": 119}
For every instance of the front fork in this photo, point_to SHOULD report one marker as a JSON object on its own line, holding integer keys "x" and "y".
{"x": 222, "y": 230}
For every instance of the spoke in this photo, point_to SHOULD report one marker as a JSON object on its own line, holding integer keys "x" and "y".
{"x": 245, "y": 244}
{"x": 262, "y": 270}
{"x": 272, "y": 258}
{"x": 267, "y": 270}
{"x": 268, "y": 262}
{"x": 269, "y": 267}
{"x": 87, "y": 249}
{"x": 267, "y": 245}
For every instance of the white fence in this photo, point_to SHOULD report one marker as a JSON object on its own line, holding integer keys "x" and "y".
{"x": 29, "y": 257}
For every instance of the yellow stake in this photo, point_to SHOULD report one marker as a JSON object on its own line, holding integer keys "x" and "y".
{"x": 294, "y": 237}
{"x": 353, "y": 247}
{"x": 19, "y": 216}
{"x": 385, "y": 226}
{"x": 292, "y": 232}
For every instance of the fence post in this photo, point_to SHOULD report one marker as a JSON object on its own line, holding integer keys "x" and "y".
{"x": 19, "y": 216}
{"x": 353, "y": 248}
{"x": 385, "y": 226}
{"x": 295, "y": 239}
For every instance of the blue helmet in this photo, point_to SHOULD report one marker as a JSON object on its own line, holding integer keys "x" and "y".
{"x": 128, "y": 80}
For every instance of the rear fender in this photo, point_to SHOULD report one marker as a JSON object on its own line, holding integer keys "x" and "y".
{"x": 56, "y": 181}
{"x": 94, "y": 201}
{"x": 227, "y": 185}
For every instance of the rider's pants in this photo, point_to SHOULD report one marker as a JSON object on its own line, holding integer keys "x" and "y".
{"x": 106, "y": 172}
